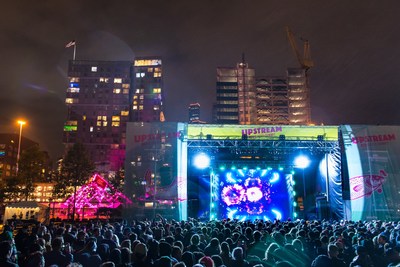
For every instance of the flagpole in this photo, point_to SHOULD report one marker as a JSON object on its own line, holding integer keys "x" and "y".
{"x": 73, "y": 57}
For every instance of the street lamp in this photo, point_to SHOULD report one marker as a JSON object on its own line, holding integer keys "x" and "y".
{"x": 21, "y": 123}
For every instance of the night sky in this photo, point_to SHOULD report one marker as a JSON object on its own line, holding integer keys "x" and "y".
{"x": 355, "y": 46}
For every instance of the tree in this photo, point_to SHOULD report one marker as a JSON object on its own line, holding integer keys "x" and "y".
{"x": 77, "y": 168}
{"x": 11, "y": 189}
{"x": 32, "y": 168}
{"x": 117, "y": 180}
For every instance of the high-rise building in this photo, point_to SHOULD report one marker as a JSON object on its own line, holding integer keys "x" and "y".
{"x": 97, "y": 101}
{"x": 299, "y": 96}
{"x": 102, "y": 97}
{"x": 194, "y": 113}
{"x": 272, "y": 100}
{"x": 9, "y": 151}
{"x": 244, "y": 99}
{"x": 236, "y": 97}
{"x": 147, "y": 90}
{"x": 284, "y": 100}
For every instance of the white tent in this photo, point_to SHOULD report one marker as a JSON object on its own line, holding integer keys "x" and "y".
{"x": 25, "y": 210}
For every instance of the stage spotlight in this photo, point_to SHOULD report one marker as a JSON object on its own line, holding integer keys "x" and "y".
{"x": 277, "y": 214}
{"x": 274, "y": 178}
{"x": 301, "y": 162}
{"x": 202, "y": 161}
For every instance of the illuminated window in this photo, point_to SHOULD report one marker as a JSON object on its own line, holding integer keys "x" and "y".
{"x": 115, "y": 118}
{"x": 104, "y": 123}
{"x": 157, "y": 74}
{"x": 72, "y": 90}
{"x": 116, "y": 91}
{"x": 74, "y": 79}
{"x": 98, "y": 123}
{"x": 70, "y": 128}
{"x": 103, "y": 80}
{"x": 137, "y": 91}
{"x": 117, "y": 80}
{"x": 141, "y": 97}
{"x": 137, "y": 75}
{"x": 156, "y": 107}
{"x": 94, "y": 69}
{"x": 134, "y": 107}
{"x": 91, "y": 129}
{"x": 140, "y": 107}
{"x": 99, "y": 118}
{"x": 147, "y": 62}
{"x": 71, "y": 123}
{"x": 104, "y": 118}
{"x": 124, "y": 113}
{"x": 114, "y": 146}
{"x": 135, "y": 102}
{"x": 125, "y": 85}
{"x": 115, "y": 124}
{"x": 125, "y": 91}
{"x": 156, "y": 90}
{"x": 84, "y": 117}
{"x": 71, "y": 101}
{"x": 142, "y": 74}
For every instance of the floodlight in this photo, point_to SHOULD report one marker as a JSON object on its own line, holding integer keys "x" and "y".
{"x": 202, "y": 161}
{"x": 301, "y": 162}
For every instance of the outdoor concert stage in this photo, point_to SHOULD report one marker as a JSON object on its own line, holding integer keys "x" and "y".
{"x": 259, "y": 171}
{"x": 251, "y": 170}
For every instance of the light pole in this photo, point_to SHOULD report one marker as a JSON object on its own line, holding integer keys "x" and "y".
{"x": 21, "y": 123}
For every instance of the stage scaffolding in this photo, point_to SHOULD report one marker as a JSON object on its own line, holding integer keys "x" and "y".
{"x": 281, "y": 145}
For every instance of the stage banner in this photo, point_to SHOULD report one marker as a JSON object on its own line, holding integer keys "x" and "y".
{"x": 262, "y": 132}
{"x": 151, "y": 168}
{"x": 371, "y": 172}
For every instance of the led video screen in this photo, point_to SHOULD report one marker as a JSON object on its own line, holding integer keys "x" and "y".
{"x": 249, "y": 194}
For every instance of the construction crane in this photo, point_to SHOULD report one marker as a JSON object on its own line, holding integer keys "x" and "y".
{"x": 305, "y": 59}
{"x": 300, "y": 111}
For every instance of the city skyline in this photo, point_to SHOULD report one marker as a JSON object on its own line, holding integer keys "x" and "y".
{"x": 354, "y": 47}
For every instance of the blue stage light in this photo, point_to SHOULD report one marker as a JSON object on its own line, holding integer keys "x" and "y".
{"x": 277, "y": 214}
{"x": 275, "y": 177}
{"x": 301, "y": 162}
{"x": 202, "y": 161}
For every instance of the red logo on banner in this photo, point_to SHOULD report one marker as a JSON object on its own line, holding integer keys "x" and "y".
{"x": 364, "y": 185}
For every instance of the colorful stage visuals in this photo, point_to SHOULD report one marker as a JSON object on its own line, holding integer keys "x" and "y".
{"x": 248, "y": 194}
{"x": 371, "y": 172}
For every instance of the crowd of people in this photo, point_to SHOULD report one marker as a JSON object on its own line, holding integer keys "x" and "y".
{"x": 193, "y": 243}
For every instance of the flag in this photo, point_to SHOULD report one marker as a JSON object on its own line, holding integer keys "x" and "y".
{"x": 72, "y": 43}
